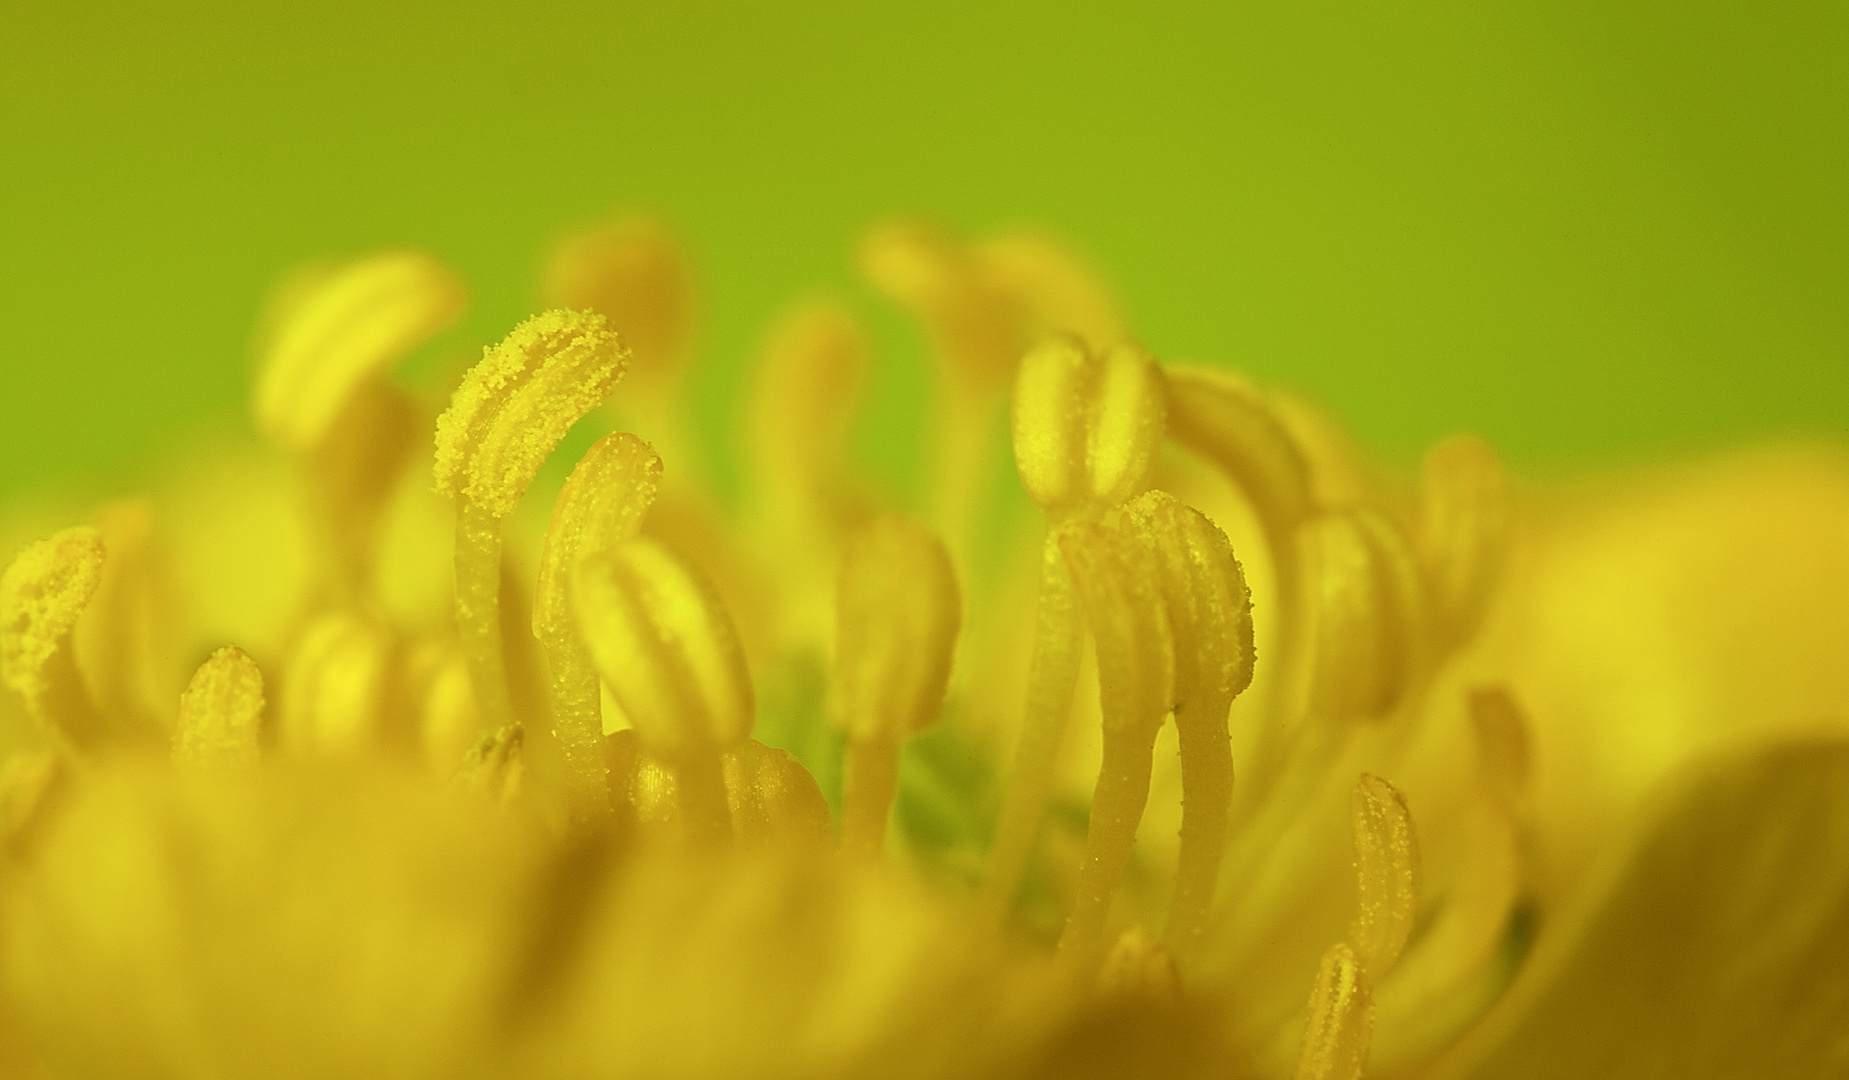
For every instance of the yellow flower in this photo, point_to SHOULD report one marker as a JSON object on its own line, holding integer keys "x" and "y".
{"x": 1221, "y": 753}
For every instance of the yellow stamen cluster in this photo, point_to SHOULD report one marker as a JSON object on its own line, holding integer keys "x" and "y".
{"x": 861, "y": 645}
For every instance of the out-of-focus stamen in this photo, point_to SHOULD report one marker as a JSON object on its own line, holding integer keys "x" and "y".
{"x": 668, "y": 652}
{"x": 898, "y": 613}
{"x": 1463, "y": 533}
{"x": 221, "y": 713}
{"x": 42, "y": 594}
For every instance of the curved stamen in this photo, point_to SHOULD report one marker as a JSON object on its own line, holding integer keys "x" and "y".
{"x": 601, "y": 506}
{"x": 503, "y": 421}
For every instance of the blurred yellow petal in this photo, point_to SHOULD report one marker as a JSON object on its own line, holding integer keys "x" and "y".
{"x": 1710, "y": 944}
{"x": 1672, "y": 615}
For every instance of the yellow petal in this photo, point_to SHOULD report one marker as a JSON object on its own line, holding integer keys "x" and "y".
{"x": 1710, "y": 944}
{"x": 1668, "y": 616}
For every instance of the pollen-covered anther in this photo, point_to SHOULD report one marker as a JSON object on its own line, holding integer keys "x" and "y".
{"x": 1387, "y": 874}
{"x": 42, "y": 594}
{"x": 898, "y": 612}
{"x": 1365, "y": 605}
{"x": 341, "y": 329}
{"x": 601, "y": 506}
{"x": 517, "y": 403}
{"x": 221, "y": 712}
{"x": 669, "y": 654}
{"x": 1335, "y": 1042}
{"x": 1086, "y": 425}
{"x": 1463, "y": 532}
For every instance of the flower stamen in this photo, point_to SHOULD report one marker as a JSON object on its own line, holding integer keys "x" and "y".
{"x": 601, "y": 505}
{"x": 503, "y": 421}
{"x": 898, "y": 614}
{"x": 42, "y": 594}
{"x": 221, "y": 712}
{"x": 669, "y": 654}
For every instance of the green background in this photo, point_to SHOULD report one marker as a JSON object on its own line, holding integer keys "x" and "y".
{"x": 1594, "y": 232}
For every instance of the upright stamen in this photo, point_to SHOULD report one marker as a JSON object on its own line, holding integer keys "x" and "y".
{"x": 42, "y": 594}
{"x": 322, "y": 396}
{"x": 1210, "y": 610}
{"x": 1335, "y": 1043}
{"x": 1341, "y": 1015}
{"x": 1086, "y": 429}
{"x": 503, "y": 421}
{"x": 670, "y": 656}
{"x": 1121, "y": 591}
{"x": 1387, "y": 872}
{"x": 221, "y": 712}
{"x": 1367, "y": 614}
{"x": 977, "y": 331}
{"x": 601, "y": 506}
{"x": 334, "y": 693}
{"x": 898, "y": 613}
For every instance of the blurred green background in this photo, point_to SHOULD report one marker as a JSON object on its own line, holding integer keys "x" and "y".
{"x": 1594, "y": 232}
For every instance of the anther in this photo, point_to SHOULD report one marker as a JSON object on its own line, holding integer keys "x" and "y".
{"x": 1138, "y": 969}
{"x": 334, "y": 695}
{"x": 1335, "y": 1042}
{"x": 1365, "y": 604}
{"x": 1463, "y": 533}
{"x": 495, "y": 770}
{"x": 669, "y": 654}
{"x": 810, "y": 377}
{"x": 344, "y": 330}
{"x": 42, "y": 594}
{"x": 974, "y": 327}
{"x": 897, "y": 616}
{"x": 1387, "y": 872}
{"x": 221, "y": 712}
{"x": 601, "y": 505}
{"x": 1086, "y": 425}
